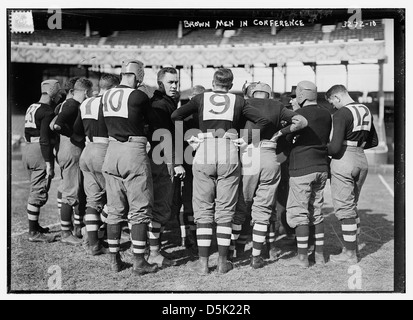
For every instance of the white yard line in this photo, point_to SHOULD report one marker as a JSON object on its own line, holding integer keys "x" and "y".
{"x": 16, "y": 234}
{"x": 386, "y": 185}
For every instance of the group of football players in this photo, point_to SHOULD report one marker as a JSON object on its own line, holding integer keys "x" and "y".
{"x": 227, "y": 165}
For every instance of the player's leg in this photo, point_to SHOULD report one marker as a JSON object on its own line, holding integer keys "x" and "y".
{"x": 227, "y": 186}
{"x": 38, "y": 193}
{"x": 139, "y": 189}
{"x": 161, "y": 212}
{"x": 240, "y": 216}
{"x": 203, "y": 204}
{"x": 68, "y": 161}
{"x": 297, "y": 216}
{"x": 263, "y": 203}
{"x": 316, "y": 216}
{"x": 343, "y": 198}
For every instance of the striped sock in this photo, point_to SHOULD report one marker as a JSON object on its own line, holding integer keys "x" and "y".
{"x": 271, "y": 234}
{"x": 302, "y": 232}
{"x": 104, "y": 214}
{"x": 358, "y": 229}
{"x": 191, "y": 223}
{"x": 259, "y": 232}
{"x": 33, "y": 213}
{"x": 349, "y": 229}
{"x": 77, "y": 216}
{"x": 139, "y": 235}
{"x": 182, "y": 224}
{"x": 224, "y": 233}
{"x": 66, "y": 217}
{"x": 92, "y": 222}
{"x": 59, "y": 202}
{"x": 241, "y": 242}
{"x": 311, "y": 236}
{"x": 154, "y": 230}
{"x": 113, "y": 232}
{"x": 236, "y": 230}
{"x": 319, "y": 237}
{"x": 204, "y": 238}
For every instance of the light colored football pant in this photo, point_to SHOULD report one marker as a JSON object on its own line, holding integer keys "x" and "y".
{"x": 347, "y": 178}
{"x": 216, "y": 172}
{"x": 305, "y": 199}
{"x": 128, "y": 177}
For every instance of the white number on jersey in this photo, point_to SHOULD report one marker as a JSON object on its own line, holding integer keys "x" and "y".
{"x": 219, "y": 106}
{"x": 89, "y": 109}
{"x": 29, "y": 120}
{"x": 361, "y": 117}
{"x": 115, "y": 102}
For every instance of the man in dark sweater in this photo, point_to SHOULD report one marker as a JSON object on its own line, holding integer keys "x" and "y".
{"x": 308, "y": 168}
{"x": 162, "y": 161}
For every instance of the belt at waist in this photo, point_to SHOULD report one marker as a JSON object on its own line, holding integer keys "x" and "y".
{"x": 131, "y": 139}
{"x": 97, "y": 140}
{"x": 209, "y": 135}
{"x": 33, "y": 139}
{"x": 353, "y": 143}
{"x": 267, "y": 144}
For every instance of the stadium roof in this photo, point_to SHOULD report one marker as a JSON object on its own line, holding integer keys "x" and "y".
{"x": 160, "y": 37}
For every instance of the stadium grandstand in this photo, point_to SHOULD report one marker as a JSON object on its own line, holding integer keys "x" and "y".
{"x": 259, "y": 45}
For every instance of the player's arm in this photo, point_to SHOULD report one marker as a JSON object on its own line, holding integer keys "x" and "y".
{"x": 66, "y": 118}
{"x": 372, "y": 139}
{"x": 336, "y": 143}
{"x": 295, "y": 122}
{"x": 46, "y": 146}
{"x": 78, "y": 127}
{"x": 178, "y": 117}
{"x": 185, "y": 111}
{"x": 254, "y": 115}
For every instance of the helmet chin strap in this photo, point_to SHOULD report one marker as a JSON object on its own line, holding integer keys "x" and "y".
{"x": 302, "y": 103}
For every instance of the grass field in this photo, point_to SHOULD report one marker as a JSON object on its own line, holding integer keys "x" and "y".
{"x": 33, "y": 266}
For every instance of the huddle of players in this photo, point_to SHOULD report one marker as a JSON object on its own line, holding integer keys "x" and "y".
{"x": 108, "y": 147}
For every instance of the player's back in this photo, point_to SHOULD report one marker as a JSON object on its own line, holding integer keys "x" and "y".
{"x": 124, "y": 111}
{"x": 33, "y": 121}
{"x": 358, "y": 120}
{"x": 91, "y": 113}
{"x": 271, "y": 110}
{"x": 217, "y": 111}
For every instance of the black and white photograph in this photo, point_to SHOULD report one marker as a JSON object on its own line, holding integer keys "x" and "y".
{"x": 182, "y": 151}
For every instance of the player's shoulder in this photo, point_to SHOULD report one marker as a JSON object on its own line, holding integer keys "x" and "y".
{"x": 42, "y": 108}
{"x": 70, "y": 103}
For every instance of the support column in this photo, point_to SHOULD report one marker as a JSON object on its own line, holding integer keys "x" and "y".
{"x": 380, "y": 93}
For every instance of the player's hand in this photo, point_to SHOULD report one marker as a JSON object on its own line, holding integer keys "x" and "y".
{"x": 179, "y": 172}
{"x": 281, "y": 157}
{"x": 49, "y": 171}
{"x": 170, "y": 170}
{"x": 194, "y": 142}
{"x": 240, "y": 143}
{"x": 275, "y": 137}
